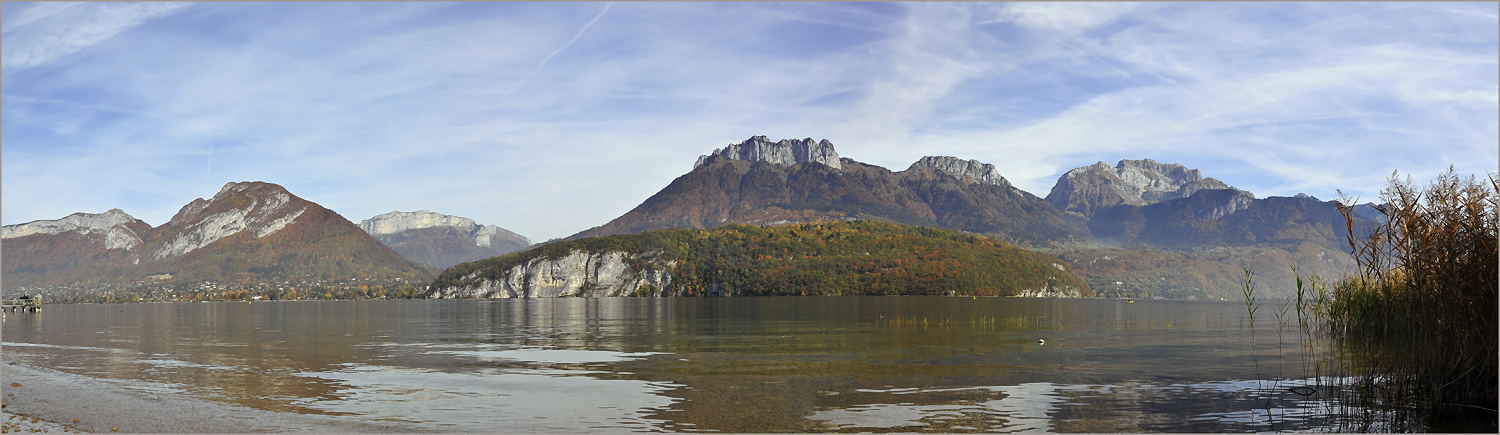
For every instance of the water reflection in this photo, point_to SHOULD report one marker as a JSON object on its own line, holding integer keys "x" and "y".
{"x": 854, "y": 364}
{"x": 491, "y": 400}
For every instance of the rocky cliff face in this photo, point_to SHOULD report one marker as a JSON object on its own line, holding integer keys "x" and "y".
{"x": 577, "y": 274}
{"x": 115, "y": 228}
{"x": 441, "y": 240}
{"x": 787, "y": 152}
{"x": 260, "y": 208}
{"x": 1086, "y": 190}
{"x": 1053, "y": 288}
{"x": 964, "y": 169}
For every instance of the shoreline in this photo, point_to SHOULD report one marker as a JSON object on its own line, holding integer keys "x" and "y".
{"x": 51, "y": 396}
{"x": 22, "y": 423}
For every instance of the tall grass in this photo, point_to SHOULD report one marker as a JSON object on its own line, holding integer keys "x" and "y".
{"x": 1421, "y": 310}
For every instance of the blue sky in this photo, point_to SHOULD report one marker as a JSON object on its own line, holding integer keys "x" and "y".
{"x": 551, "y": 118}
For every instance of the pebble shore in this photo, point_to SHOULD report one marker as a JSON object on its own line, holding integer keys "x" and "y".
{"x": 37, "y": 399}
{"x": 13, "y": 423}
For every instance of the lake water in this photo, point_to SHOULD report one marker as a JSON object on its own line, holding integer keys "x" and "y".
{"x": 784, "y": 364}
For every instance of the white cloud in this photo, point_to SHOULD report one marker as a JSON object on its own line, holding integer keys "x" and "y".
{"x": 33, "y": 12}
{"x": 1065, "y": 18}
{"x": 373, "y": 107}
{"x": 46, "y": 32}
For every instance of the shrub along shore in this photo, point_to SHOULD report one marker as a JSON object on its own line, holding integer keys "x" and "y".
{"x": 1419, "y": 316}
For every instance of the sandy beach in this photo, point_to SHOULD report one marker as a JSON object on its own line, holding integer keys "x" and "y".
{"x": 55, "y": 399}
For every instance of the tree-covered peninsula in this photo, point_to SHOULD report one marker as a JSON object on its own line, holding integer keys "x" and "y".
{"x": 823, "y": 258}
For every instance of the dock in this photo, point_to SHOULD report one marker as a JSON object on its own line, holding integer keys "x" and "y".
{"x": 24, "y": 303}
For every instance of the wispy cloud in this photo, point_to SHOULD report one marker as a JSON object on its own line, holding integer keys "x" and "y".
{"x": 47, "y": 31}
{"x": 581, "y": 31}
{"x": 551, "y": 118}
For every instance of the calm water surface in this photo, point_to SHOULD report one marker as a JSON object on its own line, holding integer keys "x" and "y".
{"x": 795, "y": 364}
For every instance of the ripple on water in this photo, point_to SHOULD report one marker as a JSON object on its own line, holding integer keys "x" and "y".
{"x": 516, "y": 399}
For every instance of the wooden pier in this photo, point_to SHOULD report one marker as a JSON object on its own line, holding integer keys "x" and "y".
{"x": 24, "y": 303}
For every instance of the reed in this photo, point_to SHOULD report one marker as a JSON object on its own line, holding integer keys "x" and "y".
{"x": 1421, "y": 310}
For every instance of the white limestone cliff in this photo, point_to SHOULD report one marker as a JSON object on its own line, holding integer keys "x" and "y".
{"x": 786, "y": 152}
{"x": 261, "y": 207}
{"x": 111, "y": 224}
{"x": 577, "y": 274}
{"x": 398, "y": 221}
{"x": 972, "y": 169}
{"x": 1134, "y": 182}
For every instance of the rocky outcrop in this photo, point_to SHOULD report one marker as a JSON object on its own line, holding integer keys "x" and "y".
{"x": 787, "y": 152}
{"x": 1052, "y": 288}
{"x": 441, "y": 240}
{"x": 963, "y": 169}
{"x": 1228, "y": 202}
{"x": 261, "y": 208}
{"x": 482, "y": 235}
{"x": 579, "y": 274}
{"x": 113, "y": 226}
{"x": 398, "y": 221}
{"x": 1086, "y": 190}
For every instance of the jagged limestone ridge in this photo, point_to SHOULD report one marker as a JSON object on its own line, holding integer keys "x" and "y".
{"x": 1084, "y": 190}
{"x": 786, "y": 152}
{"x": 973, "y": 169}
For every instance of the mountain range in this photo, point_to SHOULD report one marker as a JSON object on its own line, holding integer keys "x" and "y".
{"x": 1138, "y": 228}
{"x": 760, "y": 182}
{"x": 249, "y": 232}
{"x": 1185, "y": 235}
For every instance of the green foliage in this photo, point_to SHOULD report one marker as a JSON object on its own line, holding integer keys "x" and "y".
{"x": 826, "y": 258}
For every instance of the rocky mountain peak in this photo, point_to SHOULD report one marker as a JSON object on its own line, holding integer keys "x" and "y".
{"x": 1086, "y": 189}
{"x": 973, "y": 169}
{"x": 245, "y": 206}
{"x": 786, "y": 152}
{"x": 398, "y": 221}
{"x": 441, "y": 240}
{"x": 114, "y": 225}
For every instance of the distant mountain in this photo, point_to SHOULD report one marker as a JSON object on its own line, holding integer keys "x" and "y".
{"x": 248, "y": 232}
{"x": 1085, "y": 190}
{"x": 441, "y": 240}
{"x": 1133, "y": 210}
{"x": 1212, "y": 231}
{"x": 1224, "y": 217}
{"x": 760, "y": 182}
{"x": 79, "y": 247}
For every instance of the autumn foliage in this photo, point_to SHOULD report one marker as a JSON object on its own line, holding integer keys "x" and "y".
{"x": 826, "y": 258}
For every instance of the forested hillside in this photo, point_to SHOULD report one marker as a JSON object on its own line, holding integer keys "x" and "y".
{"x": 827, "y": 258}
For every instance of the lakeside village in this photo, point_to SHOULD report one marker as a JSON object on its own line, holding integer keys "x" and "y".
{"x": 157, "y": 288}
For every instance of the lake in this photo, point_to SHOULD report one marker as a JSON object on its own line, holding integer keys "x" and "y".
{"x": 770, "y": 364}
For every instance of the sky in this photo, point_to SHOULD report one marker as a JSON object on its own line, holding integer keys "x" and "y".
{"x": 551, "y": 118}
